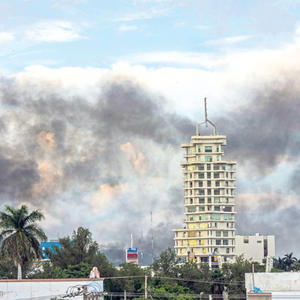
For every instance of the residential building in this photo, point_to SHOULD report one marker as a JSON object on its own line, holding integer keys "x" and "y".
{"x": 209, "y": 200}
{"x": 255, "y": 247}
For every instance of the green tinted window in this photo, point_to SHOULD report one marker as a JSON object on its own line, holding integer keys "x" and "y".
{"x": 208, "y": 148}
{"x": 208, "y": 158}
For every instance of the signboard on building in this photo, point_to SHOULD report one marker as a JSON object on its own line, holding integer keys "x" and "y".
{"x": 50, "y": 246}
{"x": 132, "y": 255}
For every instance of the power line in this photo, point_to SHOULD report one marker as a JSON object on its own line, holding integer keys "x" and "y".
{"x": 179, "y": 279}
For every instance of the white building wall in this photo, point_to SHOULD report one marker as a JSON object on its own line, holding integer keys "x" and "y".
{"x": 27, "y": 289}
{"x": 273, "y": 282}
{"x": 252, "y": 246}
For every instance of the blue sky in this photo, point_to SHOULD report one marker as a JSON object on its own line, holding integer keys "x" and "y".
{"x": 100, "y": 33}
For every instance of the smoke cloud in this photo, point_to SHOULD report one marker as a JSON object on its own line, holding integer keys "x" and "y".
{"x": 107, "y": 163}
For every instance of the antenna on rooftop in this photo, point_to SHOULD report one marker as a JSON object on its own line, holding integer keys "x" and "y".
{"x": 131, "y": 241}
{"x": 152, "y": 238}
{"x": 205, "y": 111}
{"x": 206, "y": 121}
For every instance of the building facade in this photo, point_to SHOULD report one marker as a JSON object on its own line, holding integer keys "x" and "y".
{"x": 255, "y": 247}
{"x": 209, "y": 200}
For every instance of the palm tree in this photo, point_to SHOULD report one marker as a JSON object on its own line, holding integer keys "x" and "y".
{"x": 20, "y": 235}
{"x": 288, "y": 260}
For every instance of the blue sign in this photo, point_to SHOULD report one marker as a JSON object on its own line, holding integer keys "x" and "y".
{"x": 132, "y": 250}
{"x": 48, "y": 245}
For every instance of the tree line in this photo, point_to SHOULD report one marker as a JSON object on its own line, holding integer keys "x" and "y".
{"x": 79, "y": 253}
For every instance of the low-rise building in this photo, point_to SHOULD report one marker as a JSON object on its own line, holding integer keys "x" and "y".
{"x": 12, "y": 289}
{"x": 255, "y": 247}
{"x": 281, "y": 286}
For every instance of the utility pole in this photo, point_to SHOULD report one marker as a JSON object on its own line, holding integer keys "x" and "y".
{"x": 152, "y": 237}
{"x": 146, "y": 286}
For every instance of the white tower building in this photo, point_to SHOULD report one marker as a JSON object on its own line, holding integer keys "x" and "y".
{"x": 209, "y": 187}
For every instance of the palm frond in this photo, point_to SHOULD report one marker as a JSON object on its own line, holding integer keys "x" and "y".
{"x": 36, "y": 231}
{"x": 36, "y": 215}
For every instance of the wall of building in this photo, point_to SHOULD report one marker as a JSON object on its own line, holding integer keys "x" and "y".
{"x": 27, "y": 289}
{"x": 255, "y": 247}
{"x": 273, "y": 282}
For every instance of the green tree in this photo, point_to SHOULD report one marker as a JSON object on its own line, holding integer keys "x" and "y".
{"x": 76, "y": 249}
{"x": 20, "y": 235}
{"x": 135, "y": 285}
{"x": 289, "y": 260}
{"x": 234, "y": 275}
{"x": 7, "y": 268}
{"x": 285, "y": 263}
{"x": 75, "y": 252}
{"x": 167, "y": 264}
{"x": 197, "y": 273}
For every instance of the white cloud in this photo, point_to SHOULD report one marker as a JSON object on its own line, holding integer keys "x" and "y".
{"x": 189, "y": 76}
{"x": 179, "y": 24}
{"x": 228, "y": 40}
{"x": 6, "y": 36}
{"x": 142, "y": 15}
{"x": 195, "y": 59}
{"x": 53, "y": 31}
{"x": 201, "y": 27}
{"x": 125, "y": 27}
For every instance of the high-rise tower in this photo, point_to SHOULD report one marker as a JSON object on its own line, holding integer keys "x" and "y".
{"x": 209, "y": 231}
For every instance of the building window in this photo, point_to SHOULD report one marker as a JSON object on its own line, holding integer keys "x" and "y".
{"x": 203, "y": 217}
{"x": 208, "y": 159}
{"x": 192, "y": 234}
{"x": 208, "y": 207}
{"x": 216, "y": 175}
{"x": 201, "y": 175}
{"x": 218, "y": 148}
{"x": 228, "y": 208}
{"x": 201, "y": 200}
{"x": 201, "y": 208}
{"x": 208, "y": 175}
{"x": 216, "y": 167}
{"x": 191, "y": 201}
{"x": 208, "y": 200}
{"x": 217, "y": 208}
{"x": 225, "y": 233}
{"x": 209, "y": 183}
{"x": 191, "y": 219}
{"x": 208, "y": 148}
{"x": 227, "y": 250}
{"x": 198, "y": 148}
{"x": 227, "y": 217}
{"x": 201, "y": 192}
{"x": 217, "y": 192}
{"x": 208, "y": 167}
{"x": 209, "y": 192}
{"x": 191, "y": 184}
{"x": 201, "y": 167}
{"x": 217, "y": 183}
{"x": 218, "y": 242}
{"x": 217, "y": 200}
{"x": 225, "y": 242}
{"x": 215, "y": 217}
{"x": 218, "y": 233}
{"x": 246, "y": 240}
{"x": 200, "y": 183}
{"x": 192, "y": 209}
